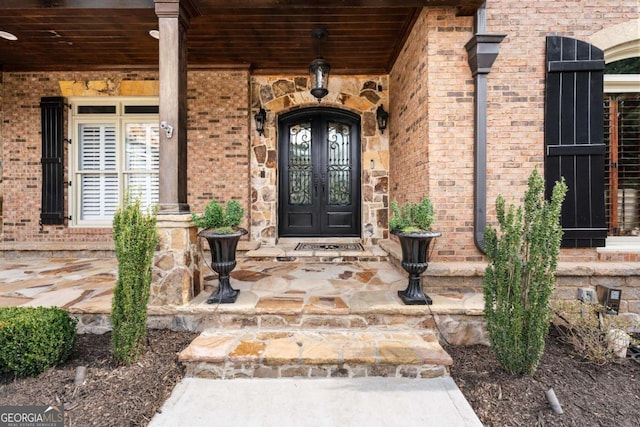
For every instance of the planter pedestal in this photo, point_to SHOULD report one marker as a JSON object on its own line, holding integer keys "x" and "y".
{"x": 223, "y": 261}
{"x": 415, "y": 251}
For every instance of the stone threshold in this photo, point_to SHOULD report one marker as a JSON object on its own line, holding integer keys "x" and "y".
{"x": 255, "y": 353}
{"x": 288, "y": 253}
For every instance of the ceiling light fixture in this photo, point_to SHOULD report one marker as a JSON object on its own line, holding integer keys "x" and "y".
{"x": 155, "y": 34}
{"x": 8, "y": 36}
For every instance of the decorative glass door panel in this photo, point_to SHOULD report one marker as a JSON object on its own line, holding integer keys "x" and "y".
{"x": 339, "y": 167}
{"x": 300, "y": 167}
{"x": 319, "y": 170}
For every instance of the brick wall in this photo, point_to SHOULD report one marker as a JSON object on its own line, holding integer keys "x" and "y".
{"x": 431, "y": 143}
{"x": 218, "y": 133}
{"x": 409, "y": 118}
{"x": 21, "y": 143}
{"x": 516, "y": 85}
{"x": 1, "y": 147}
{"x": 431, "y": 120}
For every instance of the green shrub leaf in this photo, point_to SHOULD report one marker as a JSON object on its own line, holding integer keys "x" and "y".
{"x": 34, "y": 339}
{"x": 520, "y": 276}
{"x": 217, "y": 218}
{"x": 412, "y": 217}
{"x": 136, "y": 237}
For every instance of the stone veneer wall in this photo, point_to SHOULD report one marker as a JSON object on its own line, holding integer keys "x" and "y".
{"x": 177, "y": 265}
{"x": 280, "y": 94}
{"x": 431, "y": 113}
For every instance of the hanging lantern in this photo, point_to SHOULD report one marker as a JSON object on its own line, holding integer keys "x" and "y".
{"x": 319, "y": 73}
{"x": 319, "y": 69}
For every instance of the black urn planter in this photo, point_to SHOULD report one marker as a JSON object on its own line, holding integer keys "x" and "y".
{"x": 223, "y": 261}
{"x": 415, "y": 250}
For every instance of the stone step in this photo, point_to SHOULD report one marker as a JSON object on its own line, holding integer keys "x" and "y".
{"x": 287, "y": 251}
{"x": 259, "y": 353}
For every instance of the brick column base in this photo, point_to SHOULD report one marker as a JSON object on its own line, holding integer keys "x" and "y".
{"x": 176, "y": 265}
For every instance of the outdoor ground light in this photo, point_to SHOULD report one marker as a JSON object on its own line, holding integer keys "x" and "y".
{"x": 382, "y": 118}
{"x": 609, "y": 297}
{"x": 261, "y": 119}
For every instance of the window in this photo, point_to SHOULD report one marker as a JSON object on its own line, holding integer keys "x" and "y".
{"x": 622, "y": 170}
{"x": 115, "y": 151}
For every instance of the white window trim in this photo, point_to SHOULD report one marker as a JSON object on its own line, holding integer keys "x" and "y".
{"x": 620, "y": 42}
{"x": 120, "y": 120}
{"x": 621, "y": 83}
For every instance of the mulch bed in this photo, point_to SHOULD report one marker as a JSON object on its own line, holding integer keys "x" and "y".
{"x": 590, "y": 395}
{"x": 130, "y": 395}
{"x": 111, "y": 395}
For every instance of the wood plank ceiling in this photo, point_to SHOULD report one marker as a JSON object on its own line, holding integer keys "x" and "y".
{"x": 268, "y": 36}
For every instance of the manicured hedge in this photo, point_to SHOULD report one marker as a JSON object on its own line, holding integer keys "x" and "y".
{"x": 34, "y": 339}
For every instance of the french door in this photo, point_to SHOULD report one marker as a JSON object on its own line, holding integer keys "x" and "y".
{"x": 319, "y": 173}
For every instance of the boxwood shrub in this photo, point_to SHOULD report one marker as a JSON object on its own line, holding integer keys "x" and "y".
{"x": 34, "y": 339}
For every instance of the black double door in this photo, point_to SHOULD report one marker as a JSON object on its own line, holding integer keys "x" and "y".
{"x": 319, "y": 173}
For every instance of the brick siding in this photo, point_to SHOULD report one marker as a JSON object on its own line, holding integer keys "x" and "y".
{"x": 218, "y": 132}
{"x": 431, "y": 123}
{"x": 431, "y": 114}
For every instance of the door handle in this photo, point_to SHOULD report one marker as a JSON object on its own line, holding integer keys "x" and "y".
{"x": 322, "y": 181}
{"x": 315, "y": 185}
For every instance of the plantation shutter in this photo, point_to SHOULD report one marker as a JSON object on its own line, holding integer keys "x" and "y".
{"x": 98, "y": 173}
{"x": 142, "y": 162}
{"x": 574, "y": 137}
{"x": 52, "y": 160}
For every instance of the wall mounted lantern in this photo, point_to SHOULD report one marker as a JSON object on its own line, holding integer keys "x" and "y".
{"x": 382, "y": 117}
{"x": 319, "y": 69}
{"x": 261, "y": 119}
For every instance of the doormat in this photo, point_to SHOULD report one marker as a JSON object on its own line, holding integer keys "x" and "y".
{"x": 329, "y": 247}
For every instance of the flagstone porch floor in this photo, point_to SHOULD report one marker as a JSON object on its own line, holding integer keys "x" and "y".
{"x": 273, "y": 294}
{"x": 290, "y": 319}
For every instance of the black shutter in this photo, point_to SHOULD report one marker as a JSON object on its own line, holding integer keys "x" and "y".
{"x": 52, "y": 114}
{"x": 574, "y": 137}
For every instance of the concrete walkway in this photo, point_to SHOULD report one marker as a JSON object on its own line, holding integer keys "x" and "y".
{"x": 369, "y": 402}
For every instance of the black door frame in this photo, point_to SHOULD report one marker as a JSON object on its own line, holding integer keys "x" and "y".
{"x": 327, "y": 114}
